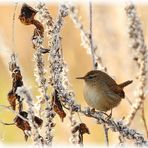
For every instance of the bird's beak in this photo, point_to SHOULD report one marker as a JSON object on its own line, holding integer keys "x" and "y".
{"x": 80, "y": 78}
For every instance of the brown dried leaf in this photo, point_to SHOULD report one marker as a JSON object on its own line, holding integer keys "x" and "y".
{"x": 17, "y": 74}
{"x": 38, "y": 120}
{"x": 84, "y": 129}
{"x": 12, "y": 99}
{"x": 20, "y": 123}
{"x": 24, "y": 125}
{"x": 27, "y": 14}
{"x": 17, "y": 82}
{"x": 39, "y": 30}
{"x": 75, "y": 129}
{"x": 57, "y": 106}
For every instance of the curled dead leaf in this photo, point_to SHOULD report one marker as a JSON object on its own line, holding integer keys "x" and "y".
{"x": 12, "y": 99}
{"x": 24, "y": 125}
{"x": 16, "y": 82}
{"x": 57, "y": 106}
{"x": 27, "y": 14}
{"x": 82, "y": 128}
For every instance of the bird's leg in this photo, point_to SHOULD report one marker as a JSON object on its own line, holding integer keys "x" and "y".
{"x": 110, "y": 115}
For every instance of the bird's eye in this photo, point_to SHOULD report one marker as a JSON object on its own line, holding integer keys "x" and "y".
{"x": 91, "y": 76}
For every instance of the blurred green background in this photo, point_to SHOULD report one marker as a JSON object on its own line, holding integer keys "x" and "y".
{"x": 110, "y": 32}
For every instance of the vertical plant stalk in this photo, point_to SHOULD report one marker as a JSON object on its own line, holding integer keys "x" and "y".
{"x": 95, "y": 61}
{"x": 13, "y": 27}
{"x": 74, "y": 139}
{"x": 140, "y": 58}
{"x": 37, "y": 41}
{"x": 49, "y": 113}
{"x": 58, "y": 67}
{"x": 86, "y": 38}
{"x": 91, "y": 35}
{"x": 144, "y": 120}
{"x": 22, "y": 91}
{"x": 106, "y": 134}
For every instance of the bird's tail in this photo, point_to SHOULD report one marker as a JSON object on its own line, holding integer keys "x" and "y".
{"x": 124, "y": 84}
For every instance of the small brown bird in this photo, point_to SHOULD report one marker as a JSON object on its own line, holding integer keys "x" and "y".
{"x": 101, "y": 92}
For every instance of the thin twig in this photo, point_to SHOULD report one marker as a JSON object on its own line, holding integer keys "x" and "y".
{"x": 144, "y": 119}
{"x": 106, "y": 134}
{"x": 13, "y": 27}
{"x": 116, "y": 126}
{"x": 128, "y": 100}
{"x": 91, "y": 35}
{"x": 85, "y": 37}
{"x": 93, "y": 58}
{"x": 4, "y": 123}
{"x": 140, "y": 57}
{"x": 13, "y": 111}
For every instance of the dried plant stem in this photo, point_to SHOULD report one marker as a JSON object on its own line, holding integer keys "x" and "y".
{"x": 94, "y": 59}
{"x": 39, "y": 73}
{"x": 39, "y": 70}
{"x": 91, "y": 35}
{"x": 13, "y": 111}
{"x": 74, "y": 138}
{"x": 140, "y": 58}
{"x": 144, "y": 119}
{"x": 49, "y": 113}
{"x": 117, "y": 126}
{"x": 4, "y": 123}
{"x": 86, "y": 38}
{"x": 58, "y": 68}
{"x": 106, "y": 134}
{"x": 13, "y": 27}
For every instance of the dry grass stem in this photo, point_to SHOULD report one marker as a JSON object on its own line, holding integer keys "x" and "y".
{"x": 144, "y": 120}
{"x": 140, "y": 58}
{"x": 86, "y": 38}
{"x": 58, "y": 67}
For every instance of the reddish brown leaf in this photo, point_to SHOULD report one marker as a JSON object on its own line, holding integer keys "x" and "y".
{"x": 38, "y": 120}
{"x": 39, "y": 30}
{"x": 24, "y": 125}
{"x": 81, "y": 129}
{"x": 84, "y": 129}
{"x": 12, "y": 99}
{"x": 17, "y": 82}
{"x": 27, "y": 14}
{"x": 57, "y": 106}
{"x": 20, "y": 123}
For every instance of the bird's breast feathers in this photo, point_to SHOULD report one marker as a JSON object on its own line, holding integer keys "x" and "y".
{"x": 100, "y": 99}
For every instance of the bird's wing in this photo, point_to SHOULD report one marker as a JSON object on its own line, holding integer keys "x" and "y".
{"x": 119, "y": 91}
{"x": 112, "y": 85}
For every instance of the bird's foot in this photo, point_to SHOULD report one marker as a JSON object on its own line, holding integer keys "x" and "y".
{"x": 109, "y": 116}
